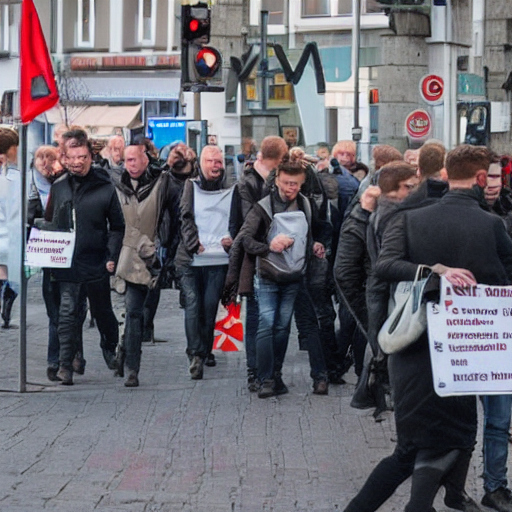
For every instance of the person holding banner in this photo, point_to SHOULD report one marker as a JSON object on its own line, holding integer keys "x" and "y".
{"x": 84, "y": 200}
{"x": 436, "y": 436}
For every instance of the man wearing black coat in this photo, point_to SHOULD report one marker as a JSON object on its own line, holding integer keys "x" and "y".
{"x": 85, "y": 200}
{"x": 460, "y": 241}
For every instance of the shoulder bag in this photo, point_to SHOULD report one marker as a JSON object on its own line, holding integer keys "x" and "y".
{"x": 408, "y": 318}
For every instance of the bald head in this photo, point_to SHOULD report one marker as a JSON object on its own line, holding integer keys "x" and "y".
{"x": 135, "y": 161}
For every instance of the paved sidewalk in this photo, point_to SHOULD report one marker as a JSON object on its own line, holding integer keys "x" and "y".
{"x": 177, "y": 445}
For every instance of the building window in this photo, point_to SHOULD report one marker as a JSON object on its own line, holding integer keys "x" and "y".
{"x": 345, "y": 6}
{"x": 4, "y": 28}
{"x": 86, "y": 23}
{"x": 312, "y": 8}
{"x": 147, "y": 22}
{"x": 316, "y": 8}
{"x": 275, "y": 10}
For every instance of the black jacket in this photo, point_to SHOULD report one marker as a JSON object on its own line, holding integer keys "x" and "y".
{"x": 352, "y": 263}
{"x": 458, "y": 233}
{"x": 99, "y": 222}
{"x": 251, "y": 187}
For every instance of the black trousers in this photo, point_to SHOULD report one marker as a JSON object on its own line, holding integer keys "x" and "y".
{"x": 429, "y": 469}
{"x": 71, "y": 320}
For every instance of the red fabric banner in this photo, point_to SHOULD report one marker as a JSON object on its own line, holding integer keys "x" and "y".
{"x": 38, "y": 89}
{"x": 230, "y": 331}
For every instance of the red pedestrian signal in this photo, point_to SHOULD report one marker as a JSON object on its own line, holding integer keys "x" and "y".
{"x": 207, "y": 62}
{"x": 193, "y": 26}
{"x": 195, "y": 22}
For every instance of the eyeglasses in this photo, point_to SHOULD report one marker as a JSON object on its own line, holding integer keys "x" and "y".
{"x": 79, "y": 158}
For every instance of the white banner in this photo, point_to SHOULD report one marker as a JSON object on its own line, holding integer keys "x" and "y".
{"x": 470, "y": 337}
{"x": 53, "y": 249}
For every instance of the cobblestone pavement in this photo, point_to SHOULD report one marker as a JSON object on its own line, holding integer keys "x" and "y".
{"x": 174, "y": 444}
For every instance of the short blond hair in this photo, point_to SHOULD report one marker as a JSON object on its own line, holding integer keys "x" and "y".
{"x": 344, "y": 145}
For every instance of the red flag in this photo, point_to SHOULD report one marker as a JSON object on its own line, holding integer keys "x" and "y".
{"x": 38, "y": 90}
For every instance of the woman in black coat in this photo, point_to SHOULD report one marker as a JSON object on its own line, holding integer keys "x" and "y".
{"x": 436, "y": 436}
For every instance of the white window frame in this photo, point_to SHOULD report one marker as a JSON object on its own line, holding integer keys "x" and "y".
{"x": 333, "y": 5}
{"x": 140, "y": 24}
{"x": 92, "y": 24}
{"x": 336, "y": 22}
{"x": 255, "y": 18}
{"x": 5, "y": 35}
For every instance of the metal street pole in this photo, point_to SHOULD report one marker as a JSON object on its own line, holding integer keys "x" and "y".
{"x": 356, "y": 43}
{"x": 23, "y": 280}
{"x": 263, "y": 69}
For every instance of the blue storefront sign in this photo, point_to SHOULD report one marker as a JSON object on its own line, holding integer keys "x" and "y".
{"x": 164, "y": 130}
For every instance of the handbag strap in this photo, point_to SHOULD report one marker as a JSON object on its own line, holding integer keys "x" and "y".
{"x": 419, "y": 272}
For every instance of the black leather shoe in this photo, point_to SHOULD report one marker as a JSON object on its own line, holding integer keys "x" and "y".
{"x": 110, "y": 358}
{"x": 132, "y": 381}
{"x": 280, "y": 388}
{"x": 320, "y": 387}
{"x": 500, "y": 500}
{"x": 210, "y": 360}
{"x": 462, "y": 502}
{"x": 266, "y": 389}
{"x": 65, "y": 375}
{"x": 79, "y": 364}
{"x": 51, "y": 373}
{"x": 196, "y": 368}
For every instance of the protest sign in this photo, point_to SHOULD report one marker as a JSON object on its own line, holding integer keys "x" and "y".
{"x": 53, "y": 249}
{"x": 470, "y": 338}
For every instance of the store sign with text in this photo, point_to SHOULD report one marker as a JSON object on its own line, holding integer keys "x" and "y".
{"x": 470, "y": 337}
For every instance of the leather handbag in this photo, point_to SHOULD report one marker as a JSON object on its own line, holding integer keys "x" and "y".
{"x": 408, "y": 318}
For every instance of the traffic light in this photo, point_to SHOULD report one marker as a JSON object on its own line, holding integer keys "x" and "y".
{"x": 195, "y": 22}
{"x": 201, "y": 65}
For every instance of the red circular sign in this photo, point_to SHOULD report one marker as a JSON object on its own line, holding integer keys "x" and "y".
{"x": 432, "y": 88}
{"x": 418, "y": 124}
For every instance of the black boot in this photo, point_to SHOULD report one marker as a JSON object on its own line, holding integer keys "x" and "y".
{"x": 8, "y": 299}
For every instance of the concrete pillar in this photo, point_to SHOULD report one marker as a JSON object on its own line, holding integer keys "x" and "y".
{"x": 404, "y": 63}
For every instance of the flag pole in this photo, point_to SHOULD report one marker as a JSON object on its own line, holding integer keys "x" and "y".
{"x": 23, "y": 279}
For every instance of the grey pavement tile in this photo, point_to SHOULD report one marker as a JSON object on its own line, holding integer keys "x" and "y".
{"x": 176, "y": 445}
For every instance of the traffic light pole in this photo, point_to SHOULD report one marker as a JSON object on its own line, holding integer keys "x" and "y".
{"x": 197, "y": 106}
{"x": 263, "y": 69}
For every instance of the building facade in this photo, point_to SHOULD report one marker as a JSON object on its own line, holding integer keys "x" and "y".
{"x": 116, "y": 53}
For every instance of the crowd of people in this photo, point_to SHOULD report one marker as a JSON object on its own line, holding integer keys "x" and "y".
{"x": 297, "y": 235}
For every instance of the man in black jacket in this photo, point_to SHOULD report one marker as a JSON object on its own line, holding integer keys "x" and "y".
{"x": 84, "y": 199}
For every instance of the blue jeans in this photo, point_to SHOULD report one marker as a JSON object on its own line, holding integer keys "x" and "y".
{"x": 275, "y": 302}
{"x": 496, "y": 425}
{"x": 202, "y": 289}
{"x": 251, "y": 331}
